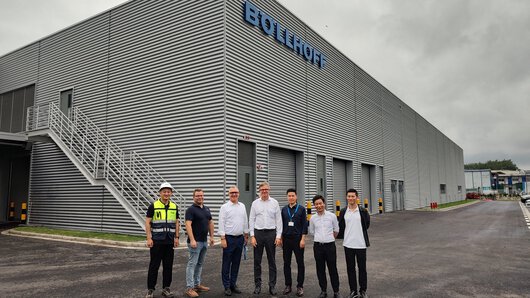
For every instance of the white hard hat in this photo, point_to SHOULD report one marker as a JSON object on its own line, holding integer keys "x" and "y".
{"x": 166, "y": 185}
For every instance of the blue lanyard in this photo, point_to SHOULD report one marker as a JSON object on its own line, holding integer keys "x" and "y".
{"x": 289, "y": 211}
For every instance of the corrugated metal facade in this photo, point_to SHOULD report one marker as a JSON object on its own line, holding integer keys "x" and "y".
{"x": 180, "y": 82}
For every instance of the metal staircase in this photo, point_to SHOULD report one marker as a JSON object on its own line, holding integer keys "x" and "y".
{"x": 124, "y": 174}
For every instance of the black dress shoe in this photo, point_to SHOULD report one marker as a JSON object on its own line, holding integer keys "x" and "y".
{"x": 323, "y": 294}
{"x": 273, "y": 291}
{"x": 337, "y": 295}
{"x": 235, "y": 290}
{"x": 257, "y": 290}
{"x": 287, "y": 290}
{"x": 299, "y": 292}
{"x": 228, "y": 292}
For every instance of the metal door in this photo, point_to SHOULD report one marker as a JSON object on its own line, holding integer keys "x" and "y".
{"x": 246, "y": 172}
{"x": 65, "y": 103}
{"x": 401, "y": 192}
{"x": 393, "y": 190}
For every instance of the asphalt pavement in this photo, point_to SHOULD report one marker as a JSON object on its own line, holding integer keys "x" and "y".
{"x": 481, "y": 250}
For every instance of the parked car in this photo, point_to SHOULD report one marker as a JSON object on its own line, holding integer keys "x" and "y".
{"x": 525, "y": 198}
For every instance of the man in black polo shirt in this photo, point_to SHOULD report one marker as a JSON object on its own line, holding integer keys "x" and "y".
{"x": 293, "y": 239}
{"x": 198, "y": 224}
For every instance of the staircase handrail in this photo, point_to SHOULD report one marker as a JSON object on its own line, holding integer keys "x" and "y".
{"x": 77, "y": 127}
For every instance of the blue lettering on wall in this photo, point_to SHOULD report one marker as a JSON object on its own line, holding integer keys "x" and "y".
{"x": 258, "y": 18}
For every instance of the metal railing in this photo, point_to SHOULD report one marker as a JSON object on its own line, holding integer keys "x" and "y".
{"x": 133, "y": 178}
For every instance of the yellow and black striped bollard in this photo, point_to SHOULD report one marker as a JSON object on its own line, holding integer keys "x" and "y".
{"x": 365, "y": 203}
{"x": 380, "y": 205}
{"x": 24, "y": 213}
{"x": 337, "y": 207}
{"x": 11, "y": 211}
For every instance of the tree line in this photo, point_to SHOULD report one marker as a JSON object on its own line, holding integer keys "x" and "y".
{"x": 505, "y": 164}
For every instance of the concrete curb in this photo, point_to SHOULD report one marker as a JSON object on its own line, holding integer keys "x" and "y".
{"x": 449, "y": 208}
{"x": 89, "y": 241}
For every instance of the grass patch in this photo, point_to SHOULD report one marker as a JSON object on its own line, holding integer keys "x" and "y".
{"x": 446, "y": 205}
{"x": 82, "y": 234}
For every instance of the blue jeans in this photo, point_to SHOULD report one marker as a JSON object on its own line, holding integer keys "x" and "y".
{"x": 195, "y": 262}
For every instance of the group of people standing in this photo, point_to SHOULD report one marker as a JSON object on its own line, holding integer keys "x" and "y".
{"x": 268, "y": 227}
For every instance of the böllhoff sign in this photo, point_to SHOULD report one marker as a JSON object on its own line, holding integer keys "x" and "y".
{"x": 258, "y": 18}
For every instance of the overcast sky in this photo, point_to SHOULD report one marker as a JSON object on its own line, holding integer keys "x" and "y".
{"x": 463, "y": 65}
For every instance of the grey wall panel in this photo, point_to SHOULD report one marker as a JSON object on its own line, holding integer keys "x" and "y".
{"x": 369, "y": 114}
{"x": 165, "y": 94}
{"x": 433, "y": 163}
{"x": 150, "y": 87}
{"x": 67, "y": 200}
{"x": 19, "y": 68}
{"x": 424, "y": 156}
{"x": 392, "y": 144}
{"x": 410, "y": 150}
{"x": 74, "y": 58}
{"x": 258, "y": 83}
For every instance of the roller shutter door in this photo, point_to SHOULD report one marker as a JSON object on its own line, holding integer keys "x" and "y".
{"x": 339, "y": 182}
{"x": 282, "y": 173}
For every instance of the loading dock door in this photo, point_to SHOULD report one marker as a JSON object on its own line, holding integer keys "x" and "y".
{"x": 339, "y": 182}
{"x": 368, "y": 181}
{"x": 282, "y": 173}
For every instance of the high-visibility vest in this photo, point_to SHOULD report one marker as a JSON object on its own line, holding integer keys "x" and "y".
{"x": 163, "y": 224}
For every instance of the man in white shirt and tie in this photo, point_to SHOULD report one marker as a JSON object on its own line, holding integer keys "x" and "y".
{"x": 324, "y": 227}
{"x": 233, "y": 229}
{"x": 265, "y": 227}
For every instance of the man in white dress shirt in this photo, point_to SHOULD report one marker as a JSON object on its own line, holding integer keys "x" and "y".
{"x": 233, "y": 229}
{"x": 354, "y": 222}
{"x": 324, "y": 227}
{"x": 265, "y": 227}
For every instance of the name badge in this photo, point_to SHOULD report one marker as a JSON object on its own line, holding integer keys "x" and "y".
{"x": 291, "y": 224}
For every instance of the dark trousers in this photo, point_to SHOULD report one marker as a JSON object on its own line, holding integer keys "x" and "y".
{"x": 292, "y": 244}
{"x": 360, "y": 255}
{"x": 326, "y": 253}
{"x": 265, "y": 239}
{"x": 231, "y": 260}
{"x": 160, "y": 253}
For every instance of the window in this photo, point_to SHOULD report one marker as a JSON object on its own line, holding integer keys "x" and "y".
{"x": 442, "y": 189}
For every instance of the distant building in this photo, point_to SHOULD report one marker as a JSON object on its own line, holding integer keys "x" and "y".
{"x": 510, "y": 182}
{"x": 479, "y": 181}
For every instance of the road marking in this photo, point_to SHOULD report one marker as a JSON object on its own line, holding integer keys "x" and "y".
{"x": 526, "y": 214}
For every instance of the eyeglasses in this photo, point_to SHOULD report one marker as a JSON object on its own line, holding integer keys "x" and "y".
{"x": 234, "y": 192}
{"x": 264, "y": 189}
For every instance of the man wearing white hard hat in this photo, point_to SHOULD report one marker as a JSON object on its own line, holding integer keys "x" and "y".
{"x": 162, "y": 230}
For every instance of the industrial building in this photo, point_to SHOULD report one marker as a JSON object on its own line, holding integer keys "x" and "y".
{"x": 204, "y": 94}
